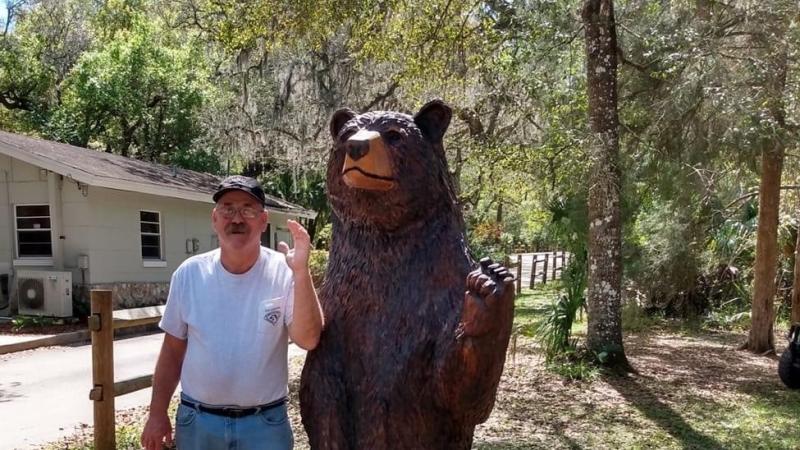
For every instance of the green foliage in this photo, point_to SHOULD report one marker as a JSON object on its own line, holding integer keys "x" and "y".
{"x": 635, "y": 319}
{"x": 27, "y": 322}
{"x": 720, "y": 318}
{"x": 249, "y": 86}
{"x": 554, "y": 328}
{"x": 194, "y": 158}
{"x": 317, "y": 264}
{"x": 571, "y": 365}
{"x": 322, "y": 239}
{"x": 733, "y": 241}
{"x": 569, "y": 225}
{"x": 489, "y": 239}
{"x": 137, "y": 95}
{"x": 37, "y": 52}
{"x": 669, "y": 249}
{"x": 306, "y": 189}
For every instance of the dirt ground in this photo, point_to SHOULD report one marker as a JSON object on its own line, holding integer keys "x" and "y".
{"x": 538, "y": 409}
{"x": 688, "y": 392}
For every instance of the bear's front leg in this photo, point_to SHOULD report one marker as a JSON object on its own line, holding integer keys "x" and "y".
{"x": 468, "y": 374}
{"x": 323, "y": 403}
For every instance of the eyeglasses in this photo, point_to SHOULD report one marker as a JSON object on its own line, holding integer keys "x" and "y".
{"x": 247, "y": 212}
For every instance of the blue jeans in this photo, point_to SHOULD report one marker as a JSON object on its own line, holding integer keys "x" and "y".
{"x": 198, "y": 430}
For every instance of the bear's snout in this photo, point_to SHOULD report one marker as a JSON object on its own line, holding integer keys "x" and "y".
{"x": 367, "y": 163}
{"x": 357, "y": 148}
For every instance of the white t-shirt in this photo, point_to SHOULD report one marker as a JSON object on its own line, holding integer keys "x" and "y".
{"x": 236, "y": 326}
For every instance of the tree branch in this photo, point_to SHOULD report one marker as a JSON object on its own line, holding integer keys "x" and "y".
{"x": 755, "y": 193}
{"x": 381, "y": 97}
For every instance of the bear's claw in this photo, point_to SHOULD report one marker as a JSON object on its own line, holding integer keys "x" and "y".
{"x": 490, "y": 291}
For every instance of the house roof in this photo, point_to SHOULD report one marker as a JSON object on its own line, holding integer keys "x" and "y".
{"x": 107, "y": 170}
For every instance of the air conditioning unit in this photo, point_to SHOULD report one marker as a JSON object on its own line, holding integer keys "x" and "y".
{"x": 44, "y": 293}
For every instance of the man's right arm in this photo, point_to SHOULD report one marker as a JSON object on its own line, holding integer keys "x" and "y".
{"x": 165, "y": 380}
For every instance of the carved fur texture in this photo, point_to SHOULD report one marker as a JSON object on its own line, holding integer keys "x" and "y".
{"x": 416, "y": 333}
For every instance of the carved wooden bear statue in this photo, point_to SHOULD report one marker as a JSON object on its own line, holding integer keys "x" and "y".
{"x": 789, "y": 364}
{"x": 414, "y": 343}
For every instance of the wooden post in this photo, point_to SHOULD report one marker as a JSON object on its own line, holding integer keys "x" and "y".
{"x": 557, "y": 266}
{"x": 519, "y": 273}
{"x": 100, "y": 323}
{"x": 544, "y": 272}
{"x": 535, "y": 259}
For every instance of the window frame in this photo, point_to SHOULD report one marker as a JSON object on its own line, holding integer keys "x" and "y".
{"x": 160, "y": 261}
{"x": 30, "y": 260}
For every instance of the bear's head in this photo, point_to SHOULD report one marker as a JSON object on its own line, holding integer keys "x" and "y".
{"x": 388, "y": 170}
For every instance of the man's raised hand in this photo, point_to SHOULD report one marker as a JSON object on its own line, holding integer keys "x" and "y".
{"x": 297, "y": 257}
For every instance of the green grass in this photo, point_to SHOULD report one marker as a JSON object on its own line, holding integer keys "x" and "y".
{"x": 531, "y": 303}
{"x": 698, "y": 423}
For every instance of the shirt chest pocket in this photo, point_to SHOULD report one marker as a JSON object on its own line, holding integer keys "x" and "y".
{"x": 270, "y": 315}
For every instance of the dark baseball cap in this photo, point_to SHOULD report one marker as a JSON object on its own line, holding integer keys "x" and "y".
{"x": 240, "y": 183}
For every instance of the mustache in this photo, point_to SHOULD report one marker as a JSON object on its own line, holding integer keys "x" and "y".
{"x": 236, "y": 228}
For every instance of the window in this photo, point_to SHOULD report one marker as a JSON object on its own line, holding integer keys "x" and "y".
{"x": 150, "y": 227}
{"x": 34, "y": 239}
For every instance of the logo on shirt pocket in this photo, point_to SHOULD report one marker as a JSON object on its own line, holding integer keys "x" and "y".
{"x": 269, "y": 313}
{"x": 272, "y": 315}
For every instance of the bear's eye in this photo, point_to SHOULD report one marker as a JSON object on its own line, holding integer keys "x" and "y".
{"x": 392, "y": 136}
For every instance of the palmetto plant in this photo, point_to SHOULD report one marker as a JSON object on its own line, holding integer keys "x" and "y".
{"x": 554, "y": 329}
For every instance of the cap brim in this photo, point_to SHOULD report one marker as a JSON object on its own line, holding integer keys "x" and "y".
{"x": 217, "y": 195}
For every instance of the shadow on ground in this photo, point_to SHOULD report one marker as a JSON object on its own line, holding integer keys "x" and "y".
{"x": 649, "y": 404}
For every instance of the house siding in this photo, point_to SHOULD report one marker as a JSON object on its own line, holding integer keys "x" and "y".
{"x": 21, "y": 184}
{"x": 278, "y": 229}
{"x": 103, "y": 224}
{"x": 115, "y": 248}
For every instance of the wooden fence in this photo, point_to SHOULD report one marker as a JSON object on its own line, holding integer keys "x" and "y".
{"x": 102, "y": 323}
{"x": 537, "y": 268}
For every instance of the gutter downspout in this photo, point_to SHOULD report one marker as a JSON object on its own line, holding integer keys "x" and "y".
{"x": 11, "y": 226}
{"x": 56, "y": 222}
{"x": 10, "y": 216}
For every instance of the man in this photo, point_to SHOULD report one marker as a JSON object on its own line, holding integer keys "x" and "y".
{"x": 227, "y": 319}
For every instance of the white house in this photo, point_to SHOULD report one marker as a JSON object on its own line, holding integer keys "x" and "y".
{"x": 72, "y": 219}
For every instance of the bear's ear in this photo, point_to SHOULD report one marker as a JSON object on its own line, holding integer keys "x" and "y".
{"x": 433, "y": 119}
{"x": 338, "y": 120}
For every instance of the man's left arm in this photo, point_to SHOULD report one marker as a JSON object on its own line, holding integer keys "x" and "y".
{"x": 307, "y": 320}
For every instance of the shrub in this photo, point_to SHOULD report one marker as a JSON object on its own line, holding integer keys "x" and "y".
{"x": 554, "y": 329}
{"x": 635, "y": 318}
{"x": 322, "y": 240}
{"x": 317, "y": 264}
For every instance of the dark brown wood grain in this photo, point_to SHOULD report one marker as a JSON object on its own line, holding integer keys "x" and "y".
{"x": 407, "y": 360}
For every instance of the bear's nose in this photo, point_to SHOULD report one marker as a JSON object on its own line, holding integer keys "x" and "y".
{"x": 357, "y": 149}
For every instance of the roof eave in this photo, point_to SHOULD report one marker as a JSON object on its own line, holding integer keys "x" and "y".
{"x": 122, "y": 185}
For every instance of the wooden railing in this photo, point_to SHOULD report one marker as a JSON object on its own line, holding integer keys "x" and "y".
{"x": 537, "y": 268}
{"x": 515, "y": 266}
{"x": 102, "y": 323}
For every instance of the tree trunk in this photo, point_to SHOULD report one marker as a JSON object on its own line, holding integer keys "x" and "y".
{"x": 761, "y": 338}
{"x": 604, "y": 336}
{"x": 796, "y": 282}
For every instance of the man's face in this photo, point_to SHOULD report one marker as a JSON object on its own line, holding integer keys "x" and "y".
{"x": 229, "y": 218}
